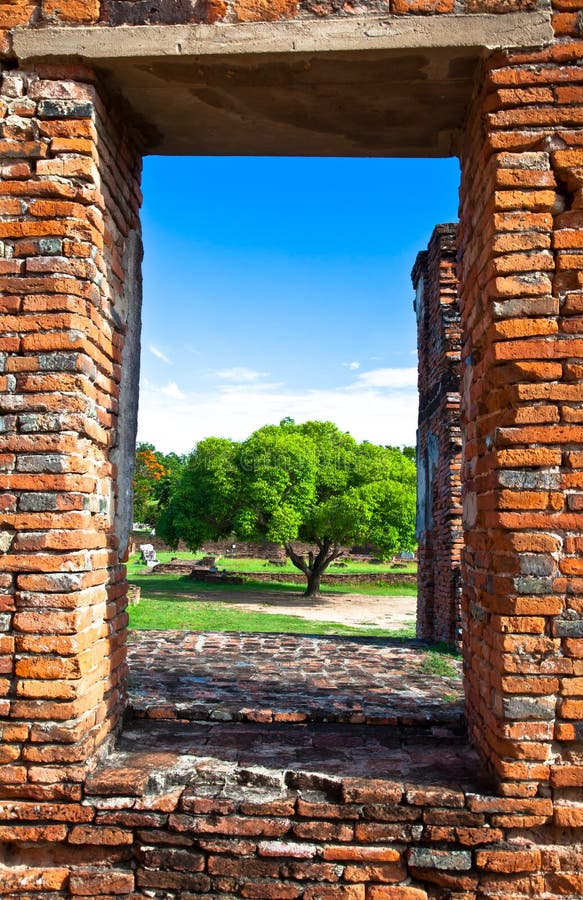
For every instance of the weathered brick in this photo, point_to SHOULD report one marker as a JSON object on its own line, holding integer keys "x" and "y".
{"x": 515, "y": 860}
{"x": 92, "y": 883}
{"x": 265, "y": 10}
{"x": 456, "y": 860}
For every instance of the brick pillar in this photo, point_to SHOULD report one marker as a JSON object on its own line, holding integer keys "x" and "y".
{"x": 439, "y": 525}
{"x": 69, "y": 296}
{"x": 521, "y": 298}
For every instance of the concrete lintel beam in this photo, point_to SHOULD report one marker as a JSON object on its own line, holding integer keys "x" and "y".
{"x": 490, "y": 32}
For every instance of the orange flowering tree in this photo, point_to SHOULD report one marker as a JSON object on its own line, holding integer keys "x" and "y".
{"x": 154, "y": 476}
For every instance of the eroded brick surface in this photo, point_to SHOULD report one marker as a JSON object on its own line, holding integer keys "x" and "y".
{"x": 520, "y": 295}
{"x": 242, "y": 810}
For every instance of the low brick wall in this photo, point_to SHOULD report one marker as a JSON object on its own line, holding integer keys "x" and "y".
{"x": 187, "y": 567}
{"x": 172, "y": 827}
{"x": 335, "y": 578}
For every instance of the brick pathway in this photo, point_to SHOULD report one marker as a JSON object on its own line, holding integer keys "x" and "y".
{"x": 233, "y": 677}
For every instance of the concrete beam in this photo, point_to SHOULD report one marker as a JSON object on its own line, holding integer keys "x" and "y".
{"x": 395, "y": 86}
{"x": 489, "y": 32}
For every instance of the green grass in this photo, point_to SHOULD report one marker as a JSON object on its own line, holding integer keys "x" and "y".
{"x": 438, "y": 661}
{"x": 176, "y": 602}
{"x": 208, "y": 616}
{"x": 137, "y": 574}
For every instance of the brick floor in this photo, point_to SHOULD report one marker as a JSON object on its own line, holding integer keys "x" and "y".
{"x": 198, "y": 676}
{"x": 287, "y": 712}
{"x": 296, "y": 755}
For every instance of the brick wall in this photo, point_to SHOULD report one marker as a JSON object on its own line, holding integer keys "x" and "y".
{"x": 69, "y": 201}
{"x": 439, "y": 524}
{"x": 521, "y": 297}
{"x": 70, "y": 251}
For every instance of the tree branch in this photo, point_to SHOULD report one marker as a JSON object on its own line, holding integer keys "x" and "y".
{"x": 336, "y": 551}
{"x": 298, "y": 561}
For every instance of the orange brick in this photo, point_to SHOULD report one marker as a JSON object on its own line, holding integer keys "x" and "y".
{"x": 513, "y": 328}
{"x": 567, "y": 776}
{"x": 571, "y": 709}
{"x": 265, "y": 10}
{"x": 528, "y": 458}
{"x": 44, "y": 878}
{"x": 395, "y": 892}
{"x": 569, "y": 816}
{"x": 361, "y": 854}
{"x": 82, "y": 12}
{"x": 565, "y": 23}
{"x": 416, "y": 7}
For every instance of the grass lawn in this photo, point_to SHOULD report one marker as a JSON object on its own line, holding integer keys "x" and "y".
{"x": 152, "y": 582}
{"x": 195, "y": 615}
{"x": 168, "y": 603}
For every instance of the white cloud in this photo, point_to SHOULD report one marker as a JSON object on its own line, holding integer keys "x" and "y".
{"x": 261, "y": 387}
{"x": 158, "y": 353}
{"x": 388, "y": 378}
{"x": 379, "y": 406}
{"x": 239, "y": 374}
{"x": 352, "y": 365}
{"x": 173, "y": 391}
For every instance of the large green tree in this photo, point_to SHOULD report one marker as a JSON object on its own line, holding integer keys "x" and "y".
{"x": 288, "y": 483}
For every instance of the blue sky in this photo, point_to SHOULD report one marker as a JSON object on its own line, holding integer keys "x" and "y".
{"x": 277, "y": 287}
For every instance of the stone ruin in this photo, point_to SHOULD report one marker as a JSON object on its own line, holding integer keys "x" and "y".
{"x": 148, "y": 555}
{"x": 87, "y": 89}
{"x": 439, "y": 440}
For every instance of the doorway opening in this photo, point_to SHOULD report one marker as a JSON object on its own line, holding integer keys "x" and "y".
{"x": 280, "y": 289}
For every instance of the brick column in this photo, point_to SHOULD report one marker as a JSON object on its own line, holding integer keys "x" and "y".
{"x": 439, "y": 529}
{"x": 521, "y": 297}
{"x": 69, "y": 297}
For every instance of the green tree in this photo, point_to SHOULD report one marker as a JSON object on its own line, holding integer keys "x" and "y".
{"x": 288, "y": 483}
{"x": 410, "y": 453}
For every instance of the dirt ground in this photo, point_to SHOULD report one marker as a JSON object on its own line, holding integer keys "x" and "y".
{"x": 347, "y": 609}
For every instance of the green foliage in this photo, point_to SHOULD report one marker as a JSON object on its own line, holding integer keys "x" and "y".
{"x": 439, "y": 662}
{"x": 204, "y": 499}
{"x": 291, "y": 482}
{"x": 294, "y": 481}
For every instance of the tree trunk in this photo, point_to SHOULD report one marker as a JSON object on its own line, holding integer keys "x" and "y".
{"x": 313, "y": 587}
{"x": 315, "y": 566}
